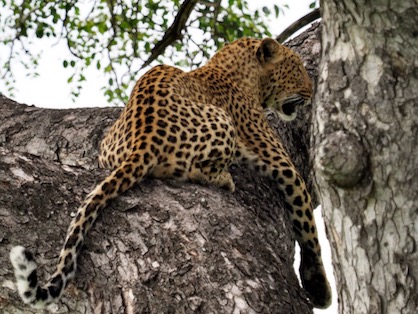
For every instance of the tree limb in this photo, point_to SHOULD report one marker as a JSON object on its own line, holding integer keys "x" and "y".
{"x": 164, "y": 246}
{"x": 302, "y": 22}
{"x": 173, "y": 33}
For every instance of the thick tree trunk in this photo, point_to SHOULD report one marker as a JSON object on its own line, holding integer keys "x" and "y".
{"x": 366, "y": 136}
{"x": 162, "y": 247}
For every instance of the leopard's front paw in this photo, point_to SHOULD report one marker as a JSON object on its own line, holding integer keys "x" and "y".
{"x": 314, "y": 279}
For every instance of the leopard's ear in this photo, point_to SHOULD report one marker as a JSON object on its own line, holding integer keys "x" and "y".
{"x": 270, "y": 51}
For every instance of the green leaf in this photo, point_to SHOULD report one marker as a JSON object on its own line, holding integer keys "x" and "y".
{"x": 39, "y": 32}
{"x": 266, "y": 11}
{"x": 276, "y": 10}
{"x": 108, "y": 68}
{"x": 102, "y": 27}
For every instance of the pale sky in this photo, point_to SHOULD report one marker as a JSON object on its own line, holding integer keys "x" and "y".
{"x": 51, "y": 90}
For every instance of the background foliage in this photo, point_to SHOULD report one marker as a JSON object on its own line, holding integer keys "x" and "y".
{"x": 117, "y": 36}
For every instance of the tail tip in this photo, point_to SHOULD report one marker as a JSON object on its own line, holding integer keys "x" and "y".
{"x": 25, "y": 272}
{"x": 22, "y": 260}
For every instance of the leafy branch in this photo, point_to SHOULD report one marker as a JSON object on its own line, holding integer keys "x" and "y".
{"x": 119, "y": 38}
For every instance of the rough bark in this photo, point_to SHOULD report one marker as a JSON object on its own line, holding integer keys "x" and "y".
{"x": 162, "y": 247}
{"x": 366, "y": 135}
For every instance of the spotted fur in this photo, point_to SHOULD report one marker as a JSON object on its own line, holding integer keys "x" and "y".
{"x": 192, "y": 126}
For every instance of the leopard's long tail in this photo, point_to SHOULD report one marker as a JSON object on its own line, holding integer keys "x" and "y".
{"x": 131, "y": 171}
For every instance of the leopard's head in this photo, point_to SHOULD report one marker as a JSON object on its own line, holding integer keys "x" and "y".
{"x": 285, "y": 85}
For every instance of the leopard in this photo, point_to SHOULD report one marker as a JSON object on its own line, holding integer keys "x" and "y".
{"x": 193, "y": 126}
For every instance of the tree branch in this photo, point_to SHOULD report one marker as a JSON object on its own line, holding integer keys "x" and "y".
{"x": 174, "y": 31}
{"x": 302, "y": 22}
{"x": 163, "y": 245}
